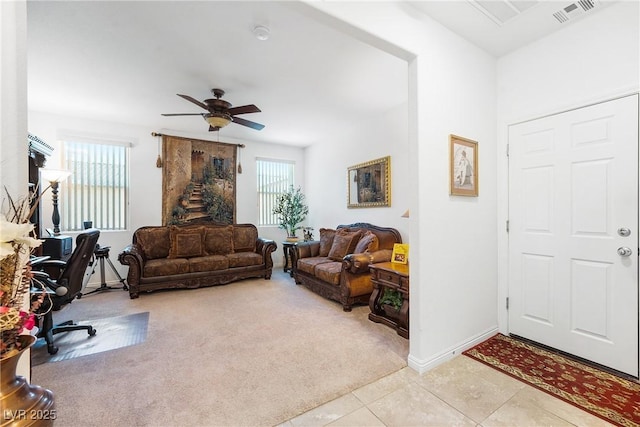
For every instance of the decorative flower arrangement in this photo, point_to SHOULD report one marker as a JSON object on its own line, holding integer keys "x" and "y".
{"x": 16, "y": 244}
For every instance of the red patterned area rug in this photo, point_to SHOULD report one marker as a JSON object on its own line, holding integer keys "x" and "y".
{"x": 603, "y": 394}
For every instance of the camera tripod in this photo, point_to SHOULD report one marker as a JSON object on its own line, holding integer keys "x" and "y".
{"x": 101, "y": 254}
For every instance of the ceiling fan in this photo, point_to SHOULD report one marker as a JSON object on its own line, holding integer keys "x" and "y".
{"x": 220, "y": 112}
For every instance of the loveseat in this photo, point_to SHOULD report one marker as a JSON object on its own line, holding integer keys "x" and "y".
{"x": 337, "y": 266}
{"x": 193, "y": 256}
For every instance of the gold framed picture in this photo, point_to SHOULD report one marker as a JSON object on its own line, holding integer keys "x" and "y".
{"x": 400, "y": 254}
{"x": 369, "y": 184}
{"x": 463, "y": 166}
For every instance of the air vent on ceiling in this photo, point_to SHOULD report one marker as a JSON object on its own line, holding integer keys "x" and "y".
{"x": 575, "y": 10}
{"x": 503, "y": 10}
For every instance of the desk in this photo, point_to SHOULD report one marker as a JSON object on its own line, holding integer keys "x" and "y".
{"x": 395, "y": 277}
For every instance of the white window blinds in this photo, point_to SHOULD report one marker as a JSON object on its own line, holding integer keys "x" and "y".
{"x": 275, "y": 177}
{"x": 98, "y": 187}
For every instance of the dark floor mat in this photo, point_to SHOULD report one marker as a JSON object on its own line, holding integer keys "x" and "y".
{"x": 112, "y": 333}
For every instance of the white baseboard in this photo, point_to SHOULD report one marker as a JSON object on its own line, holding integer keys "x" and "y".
{"x": 424, "y": 365}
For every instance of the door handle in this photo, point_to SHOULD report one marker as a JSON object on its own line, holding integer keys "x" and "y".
{"x": 624, "y": 251}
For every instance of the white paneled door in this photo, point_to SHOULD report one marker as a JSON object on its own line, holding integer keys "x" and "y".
{"x": 573, "y": 232}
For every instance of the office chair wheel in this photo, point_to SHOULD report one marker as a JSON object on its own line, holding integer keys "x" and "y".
{"x": 52, "y": 349}
{"x": 91, "y": 332}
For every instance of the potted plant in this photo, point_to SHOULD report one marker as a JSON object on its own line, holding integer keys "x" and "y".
{"x": 291, "y": 210}
{"x": 391, "y": 301}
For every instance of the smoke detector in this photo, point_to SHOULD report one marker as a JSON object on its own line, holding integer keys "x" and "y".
{"x": 575, "y": 10}
{"x": 261, "y": 32}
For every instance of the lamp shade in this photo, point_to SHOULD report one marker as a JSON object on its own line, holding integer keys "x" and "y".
{"x": 55, "y": 175}
{"x": 218, "y": 120}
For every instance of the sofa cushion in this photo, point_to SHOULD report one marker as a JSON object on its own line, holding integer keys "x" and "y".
{"x": 367, "y": 243}
{"x": 329, "y": 272}
{"x": 326, "y": 240}
{"x": 218, "y": 240}
{"x": 244, "y": 238}
{"x": 154, "y": 241}
{"x": 344, "y": 242}
{"x": 308, "y": 265}
{"x": 244, "y": 259}
{"x": 165, "y": 267}
{"x": 186, "y": 242}
{"x": 208, "y": 263}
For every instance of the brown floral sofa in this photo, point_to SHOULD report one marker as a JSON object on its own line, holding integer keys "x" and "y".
{"x": 193, "y": 256}
{"x": 337, "y": 266}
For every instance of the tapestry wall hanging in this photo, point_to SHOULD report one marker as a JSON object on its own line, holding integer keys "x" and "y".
{"x": 198, "y": 181}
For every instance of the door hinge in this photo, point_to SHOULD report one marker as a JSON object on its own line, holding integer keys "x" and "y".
{"x": 507, "y": 303}
{"x": 507, "y": 150}
{"x": 507, "y": 225}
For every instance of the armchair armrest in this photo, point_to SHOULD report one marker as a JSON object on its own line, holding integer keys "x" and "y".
{"x": 58, "y": 288}
{"x": 133, "y": 256}
{"x": 265, "y": 247}
{"x": 51, "y": 268}
{"x": 359, "y": 263}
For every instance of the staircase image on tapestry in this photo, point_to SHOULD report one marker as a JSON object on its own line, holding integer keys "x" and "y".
{"x": 203, "y": 188}
{"x": 195, "y": 206}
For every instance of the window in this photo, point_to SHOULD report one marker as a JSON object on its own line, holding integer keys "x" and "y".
{"x": 98, "y": 187}
{"x": 274, "y": 178}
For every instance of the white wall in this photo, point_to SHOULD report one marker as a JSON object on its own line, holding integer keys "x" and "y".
{"x": 146, "y": 179}
{"x": 326, "y": 173}
{"x": 593, "y": 60}
{"x": 452, "y": 90}
{"x": 13, "y": 99}
{"x": 14, "y": 174}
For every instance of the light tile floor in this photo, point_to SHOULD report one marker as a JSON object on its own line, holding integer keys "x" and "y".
{"x": 460, "y": 392}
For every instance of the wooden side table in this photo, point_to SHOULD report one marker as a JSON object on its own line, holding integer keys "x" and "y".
{"x": 287, "y": 247}
{"x": 393, "y": 276}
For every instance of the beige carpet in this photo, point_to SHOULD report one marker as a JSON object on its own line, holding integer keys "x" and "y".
{"x": 251, "y": 353}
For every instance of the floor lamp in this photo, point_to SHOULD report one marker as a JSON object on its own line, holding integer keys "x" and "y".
{"x": 55, "y": 177}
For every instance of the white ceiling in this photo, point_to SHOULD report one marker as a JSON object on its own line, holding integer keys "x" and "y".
{"x": 125, "y": 61}
{"x": 502, "y": 26}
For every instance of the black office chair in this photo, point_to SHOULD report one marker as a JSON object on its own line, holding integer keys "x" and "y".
{"x": 64, "y": 281}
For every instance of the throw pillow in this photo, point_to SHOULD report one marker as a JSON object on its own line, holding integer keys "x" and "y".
{"x": 154, "y": 241}
{"x": 218, "y": 240}
{"x": 367, "y": 243}
{"x": 245, "y": 237}
{"x": 326, "y": 240}
{"x": 343, "y": 243}
{"x": 186, "y": 243}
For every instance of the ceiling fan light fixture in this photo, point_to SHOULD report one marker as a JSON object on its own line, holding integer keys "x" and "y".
{"x": 218, "y": 120}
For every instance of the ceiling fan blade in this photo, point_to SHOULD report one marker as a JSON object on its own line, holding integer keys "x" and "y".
{"x": 244, "y": 109}
{"x": 182, "y": 114}
{"x": 195, "y": 101}
{"x": 243, "y": 122}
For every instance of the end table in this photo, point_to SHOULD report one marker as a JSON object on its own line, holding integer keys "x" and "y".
{"x": 287, "y": 247}
{"x": 394, "y": 277}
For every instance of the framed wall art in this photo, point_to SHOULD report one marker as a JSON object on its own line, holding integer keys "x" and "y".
{"x": 463, "y": 166}
{"x": 198, "y": 181}
{"x": 368, "y": 184}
